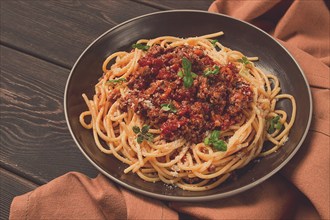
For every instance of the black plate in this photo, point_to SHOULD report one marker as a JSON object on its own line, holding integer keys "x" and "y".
{"x": 184, "y": 23}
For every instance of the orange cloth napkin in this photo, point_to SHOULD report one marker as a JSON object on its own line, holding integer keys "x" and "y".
{"x": 299, "y": 191}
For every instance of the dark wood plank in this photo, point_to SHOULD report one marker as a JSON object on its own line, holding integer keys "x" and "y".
{"x": 35, "y": 140}
{"x": 11, "y": 186}
{"x": 181, "y": 4}
{"x": 59, "y": 31}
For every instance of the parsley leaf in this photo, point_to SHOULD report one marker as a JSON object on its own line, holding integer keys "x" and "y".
{"x": 214, "y": 135}
{"x": 186, "y": 74}
{"x": 244, "y": 60}
{"x": 136, "y": 129}
{"x": 213, "y": 42}
{"x": 214, "y": 141}
{"x": 143, "y": 134}
{"x": 149, "y": 137}
{"x": 187, "y": 81}
{"x": 140, "y": 138}
{"x": 278, "y": 126}
{"x": 220, "y": 145}
{"x": 145, "y": 129}
{"x": 194, "y": 75}
{"x": 275, "y": 124}
{"x": 207, "y": 141}
{"x": 141, "y": 47}
{"x": 208, "y": 71}
{"x": 168, "y": 107}
{"x": 119, "y": 80}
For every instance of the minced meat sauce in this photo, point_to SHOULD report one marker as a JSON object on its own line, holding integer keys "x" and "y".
{"x": 212, "y": 102}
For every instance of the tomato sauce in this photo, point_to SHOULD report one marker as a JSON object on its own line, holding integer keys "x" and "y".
{"x": 215, "y": 101}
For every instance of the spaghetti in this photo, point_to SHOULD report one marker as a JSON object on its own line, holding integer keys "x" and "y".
{"x": 186, "y": 112}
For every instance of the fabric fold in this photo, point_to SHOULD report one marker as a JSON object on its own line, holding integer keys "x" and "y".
{"x": 71, "y": 196}
{"x": 75, "y": 196}
{"x": 276, "y": 198}
{"x": 141, "y": 207}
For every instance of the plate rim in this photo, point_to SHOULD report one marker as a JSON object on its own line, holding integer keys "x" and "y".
{"x": 189, "y": 198}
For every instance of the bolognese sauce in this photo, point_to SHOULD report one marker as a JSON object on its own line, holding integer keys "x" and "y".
{"x": 214, "y": 97}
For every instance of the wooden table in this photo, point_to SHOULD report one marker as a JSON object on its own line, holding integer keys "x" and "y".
{"x": 40, "y": 41}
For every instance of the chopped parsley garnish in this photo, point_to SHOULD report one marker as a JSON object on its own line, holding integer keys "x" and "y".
{"x": 141, "y": 47}
{"x": 186, "y": 74}
{"x": 275, "y": 124}
{"x": 119, "y": 80}
{"x": 143, "y": 134}
{"x": 168, "y": 107}
{"x": 136, "y": 129}
{"x": 244, "y": 60}
{"x": 194, "y": 75}
{"x": 214, "y": 141}
{"x": 209, "y": 71}
{"x": 213, "y": 41}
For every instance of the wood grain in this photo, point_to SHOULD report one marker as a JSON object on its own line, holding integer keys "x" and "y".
{"x": 35, "y": 140}
{"x": 181, "y": 4}
{"x": 11, "y": 186}
{"x": 58, "y": 31}
{"x": 42, "y": 40}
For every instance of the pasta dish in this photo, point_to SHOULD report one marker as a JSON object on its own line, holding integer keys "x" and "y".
{"x": 187, "y": 112}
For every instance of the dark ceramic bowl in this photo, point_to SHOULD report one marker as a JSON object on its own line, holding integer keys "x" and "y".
{"x": 240, "y": 36}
